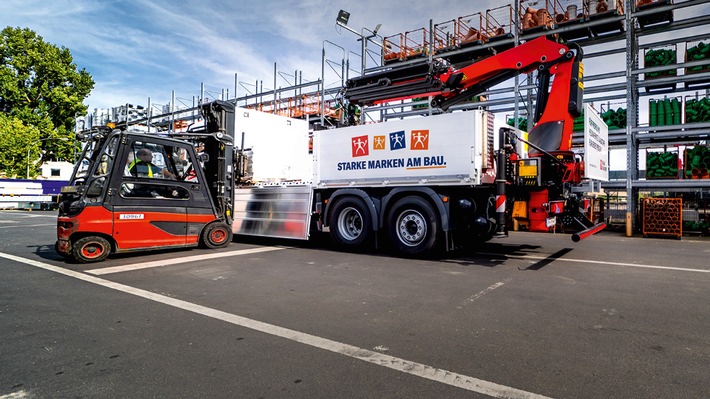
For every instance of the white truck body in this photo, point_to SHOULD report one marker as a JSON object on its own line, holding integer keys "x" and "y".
{"x": 285, "y": 184}
{"x": 279, "y": 146}
{"x": 447, "y": 149}
{"x": 278, "y": 198}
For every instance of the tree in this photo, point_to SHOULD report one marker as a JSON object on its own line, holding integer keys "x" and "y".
{"x": 40, "y": 86}
{"x": 19, "y": 153}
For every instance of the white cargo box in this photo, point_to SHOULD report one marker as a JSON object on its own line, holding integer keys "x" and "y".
{"x": 454, "y": 148}
{"x": 279, "y": 146}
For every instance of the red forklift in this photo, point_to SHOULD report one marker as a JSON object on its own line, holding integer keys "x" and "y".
{"x": 133, "y": 191}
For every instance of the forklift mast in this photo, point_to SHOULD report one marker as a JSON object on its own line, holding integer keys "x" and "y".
{"x": 217, "y": 143}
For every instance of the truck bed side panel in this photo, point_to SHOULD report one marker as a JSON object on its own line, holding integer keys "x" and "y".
{"x": 282, "y": 211}
{"x": 441, "y": 149}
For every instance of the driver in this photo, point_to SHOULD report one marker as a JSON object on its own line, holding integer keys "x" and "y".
{"x": 143, "y": 166}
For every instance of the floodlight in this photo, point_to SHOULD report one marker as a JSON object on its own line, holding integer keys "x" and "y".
{"x": 343, "y": 17}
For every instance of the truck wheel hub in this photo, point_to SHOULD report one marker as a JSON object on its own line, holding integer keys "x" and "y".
{"x": 412, "y": 228}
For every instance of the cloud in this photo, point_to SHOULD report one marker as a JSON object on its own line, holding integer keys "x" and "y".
{"x": 140, "y": 49}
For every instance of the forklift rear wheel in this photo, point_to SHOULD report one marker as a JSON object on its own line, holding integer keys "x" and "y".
{"x": 91, "y": 249}
{"x": 216, "y": 235}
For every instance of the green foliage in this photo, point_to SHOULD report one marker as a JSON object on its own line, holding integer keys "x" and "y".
{"x": 17, "y": 140}
{"x": 41, "y": 86}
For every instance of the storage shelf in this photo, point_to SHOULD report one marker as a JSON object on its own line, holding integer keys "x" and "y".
{"x": 680, "y": 185}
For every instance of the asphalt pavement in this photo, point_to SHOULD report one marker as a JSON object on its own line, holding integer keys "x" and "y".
{"x": 529, "y": 316}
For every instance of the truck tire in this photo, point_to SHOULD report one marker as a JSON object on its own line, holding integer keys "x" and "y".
{"x": 90, "y": 249}
{"x": 413, "y": 226}
{"x": 216, "y": 235}
{"x": 350, "y": 223}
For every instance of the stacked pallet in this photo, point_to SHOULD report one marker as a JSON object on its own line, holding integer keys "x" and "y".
{"x": 664, "y": 112}
{"x": 663, "y": 217}
{"x": 697, "y": 162}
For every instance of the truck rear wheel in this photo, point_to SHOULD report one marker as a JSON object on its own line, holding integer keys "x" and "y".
{"x": 413, "y": 226}
{"x": 91, "y": 249}
{"x": 350, "y": 223}
{"x": 216, "y": 235}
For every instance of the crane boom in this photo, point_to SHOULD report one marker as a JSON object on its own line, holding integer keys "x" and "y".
{"x": 560, "y": 88}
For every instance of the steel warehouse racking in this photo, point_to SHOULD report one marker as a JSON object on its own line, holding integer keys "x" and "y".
{"x": 615, "y": 33}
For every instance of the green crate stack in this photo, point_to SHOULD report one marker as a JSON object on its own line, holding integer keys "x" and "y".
{"x": 522, "y": 123}
{"x": 661, "y": 165}
{"x": 615, "y": 118}
{"x": 578, "y": 123}
{"x": 697, "y": 109}
{"x": 697, "y": 162}
{"x": 419, "y": 106}
{"x": 664, "y": 112}
{"x": 660, "y": 57}
{"x": 699, "y": 226}
{"x": 697, "y": 51}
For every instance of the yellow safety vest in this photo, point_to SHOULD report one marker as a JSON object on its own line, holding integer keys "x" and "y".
{"x": 150, "y": 169}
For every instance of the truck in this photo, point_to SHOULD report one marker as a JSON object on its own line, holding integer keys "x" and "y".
{"x": 418, "y": 185}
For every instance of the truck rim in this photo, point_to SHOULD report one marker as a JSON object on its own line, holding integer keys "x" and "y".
{"x": 350, "y": 223}
{"x": 411, "y": 228}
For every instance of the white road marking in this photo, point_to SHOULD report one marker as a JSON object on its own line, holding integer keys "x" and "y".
{"x": 28, "y": 225}
{"x": 600, "y": 262}
{"x": 26, "y": 214}
{"x": 170, "y": 262}
{"x": 487, "y": 290}
{"x": 405, "y": 366}
{"x": 15, "y": 395}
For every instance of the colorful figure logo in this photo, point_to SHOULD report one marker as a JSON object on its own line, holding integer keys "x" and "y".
{"x": 379, "y": 142}
{"x": 397, "y": 141}
{"x": 420, "y": 139}
{"x": 359, "y": 146}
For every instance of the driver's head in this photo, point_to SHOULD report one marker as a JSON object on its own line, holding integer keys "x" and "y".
{"x": 144, "y": 155}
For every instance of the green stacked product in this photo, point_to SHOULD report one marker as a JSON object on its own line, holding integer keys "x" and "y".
{"x": 659, "y": 57}
{"x": 661, "y": 165}
{"x": 696, "y": 226}
{"x": 697, "y": 160}
{"x": 522, "y": 123}
{"x": 652, "y": 112}
{"x": 664, "y": 112}
{"x": 419, "y": 106}
{"x": 676, "y": 108}
{"x": 615, "y": 119}
{"x": 578, "y": 123}
{"x": 697, "y": 110}
{"x": 699, "y": 52}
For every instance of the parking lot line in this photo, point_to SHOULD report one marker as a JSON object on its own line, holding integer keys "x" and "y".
{"x": 27, "y": 225}
{"x": 405, "y": 366}
{"x": 600, "y": 262}
{"x": 169, "y": 262}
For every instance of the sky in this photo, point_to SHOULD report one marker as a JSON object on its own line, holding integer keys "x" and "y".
{"x": 136, "y": 49}
{"x": 140, "y": 49}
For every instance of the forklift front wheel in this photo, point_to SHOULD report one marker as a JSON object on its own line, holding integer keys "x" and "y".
{"x": 216, "y": 235}
{"x": 91, "y": 249}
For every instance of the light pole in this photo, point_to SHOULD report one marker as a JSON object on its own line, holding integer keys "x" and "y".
{"x": 342, "y": 21}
